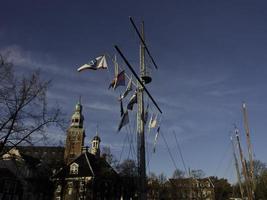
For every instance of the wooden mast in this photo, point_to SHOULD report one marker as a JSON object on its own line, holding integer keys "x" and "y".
{"x": 244, "y": 166}
{"x": 249, "y": 145}
{"x": 144, "y": 79}
{"x": 141, "y": 157}
{"x": 237, "y": 170}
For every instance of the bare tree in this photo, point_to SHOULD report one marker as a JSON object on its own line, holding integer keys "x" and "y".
{"x": 23, "y": 107}
{"x": 109, "y": 157}
{"x": 178, "y": 174}
{"x": 197, "y": 173}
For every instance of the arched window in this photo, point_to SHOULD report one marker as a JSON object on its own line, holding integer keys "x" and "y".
{"x": 59, "y": 187}
{"x": 74, "y": 168}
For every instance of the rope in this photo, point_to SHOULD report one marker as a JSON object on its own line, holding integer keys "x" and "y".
{"x": 222, "y": 158}
{"x": 181, "y": 155}
{"x": 172, "y": 159}
{"x": 124, "y": 140}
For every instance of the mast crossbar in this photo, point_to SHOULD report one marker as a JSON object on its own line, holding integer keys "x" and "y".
{"x": 136, "y": 76}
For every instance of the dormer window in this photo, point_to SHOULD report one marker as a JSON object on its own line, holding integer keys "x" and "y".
{"x": 74, "y": 168}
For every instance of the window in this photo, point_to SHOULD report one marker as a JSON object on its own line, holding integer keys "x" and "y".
{"x": 9, "y": 186}
{"x": 58, "y": 188}
{"x": 81, "y": 188}
{"x": 70, "y": 187}
{"x": 74, "y": 168}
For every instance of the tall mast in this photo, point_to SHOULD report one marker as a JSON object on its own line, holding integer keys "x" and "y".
{"x": 237, "y": 170}
{"x": 141, "y": 157}
{"x": 244, "y": 167}
{"x": 250, "y": 153}
{"x": 143, "y": 79}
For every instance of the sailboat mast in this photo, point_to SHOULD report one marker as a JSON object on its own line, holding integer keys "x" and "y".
{"x": 141, "y": 157}
{"x": 237, "y": 170}
{"x": 142, "y": 80}
{"x": 244, "y": 167}
{"x": 250, "y": 153}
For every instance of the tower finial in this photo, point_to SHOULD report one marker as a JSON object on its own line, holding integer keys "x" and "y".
{"x": 80, "y": 99}
{"x": 97, "y": 129}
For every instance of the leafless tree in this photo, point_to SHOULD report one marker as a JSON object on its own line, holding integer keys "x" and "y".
{"x": 23, "y": 107}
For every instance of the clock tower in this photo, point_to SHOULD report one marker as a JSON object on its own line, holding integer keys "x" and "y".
{"x": 75, "y": 135}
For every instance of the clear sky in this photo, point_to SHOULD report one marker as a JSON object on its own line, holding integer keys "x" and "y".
{"x": 212, "y": 55}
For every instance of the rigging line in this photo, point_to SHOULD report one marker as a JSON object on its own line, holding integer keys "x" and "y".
{"x": 136, "y": 76}
{"x": 150, "y": 157}
{"x": 133, "y": 129}
{"x": 222, "y": 158}
{"x": 169, "y": 150}
{"x": 123, "y": 145}
{"x": 180, "y": 152}
{"x": 227, "y": 169}
{"x": 130, "y": 143}
{"x": 230, "y": 164}
{"x": 147, "y": 153}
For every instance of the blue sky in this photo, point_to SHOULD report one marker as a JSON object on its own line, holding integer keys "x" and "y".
{"x": 211, "y": 57}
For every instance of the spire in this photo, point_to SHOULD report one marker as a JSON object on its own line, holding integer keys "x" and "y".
{"x": 77, "y": 117}
{"x": 96, "y": 130}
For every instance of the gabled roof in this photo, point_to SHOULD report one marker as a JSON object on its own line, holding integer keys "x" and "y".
{"x": 89, "y": 166}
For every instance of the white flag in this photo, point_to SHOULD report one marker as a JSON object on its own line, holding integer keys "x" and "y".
{"x": 153, "y": 121}
{"x": 99, "y": 62}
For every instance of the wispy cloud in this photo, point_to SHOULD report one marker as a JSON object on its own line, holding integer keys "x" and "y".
{"x": 100, "y": 106}
{"x": 29, "y": 60}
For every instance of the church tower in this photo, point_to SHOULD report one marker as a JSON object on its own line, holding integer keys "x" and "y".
{"x": 95, "y": 145}
{"x": 75, "y": 135}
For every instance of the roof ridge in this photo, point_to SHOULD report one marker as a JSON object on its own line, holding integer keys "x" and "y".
{"x": 87, "y": 160}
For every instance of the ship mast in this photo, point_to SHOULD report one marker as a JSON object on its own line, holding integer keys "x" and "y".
{"x": 249, "y": 145}
{"x": 237, "y": 170}
{"x": 143, "y": 79}
{"x": 141, "y": 156}
{"x": 244, "y": 166}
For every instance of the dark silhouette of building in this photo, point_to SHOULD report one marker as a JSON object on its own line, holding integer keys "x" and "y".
{"x": 25, "y": 177}
{"x": 191, "y": 189}
{"x": 85, "y": 175}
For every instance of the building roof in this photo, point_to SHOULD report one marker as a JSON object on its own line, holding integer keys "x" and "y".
{"x": 51, "y": 155}
{"x": 89, "y": 166}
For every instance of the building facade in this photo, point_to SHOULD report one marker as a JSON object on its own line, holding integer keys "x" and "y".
{"x": 191, "y": 189}
{"x": 85, "y": 175}
{"x": 75, "y": 135}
